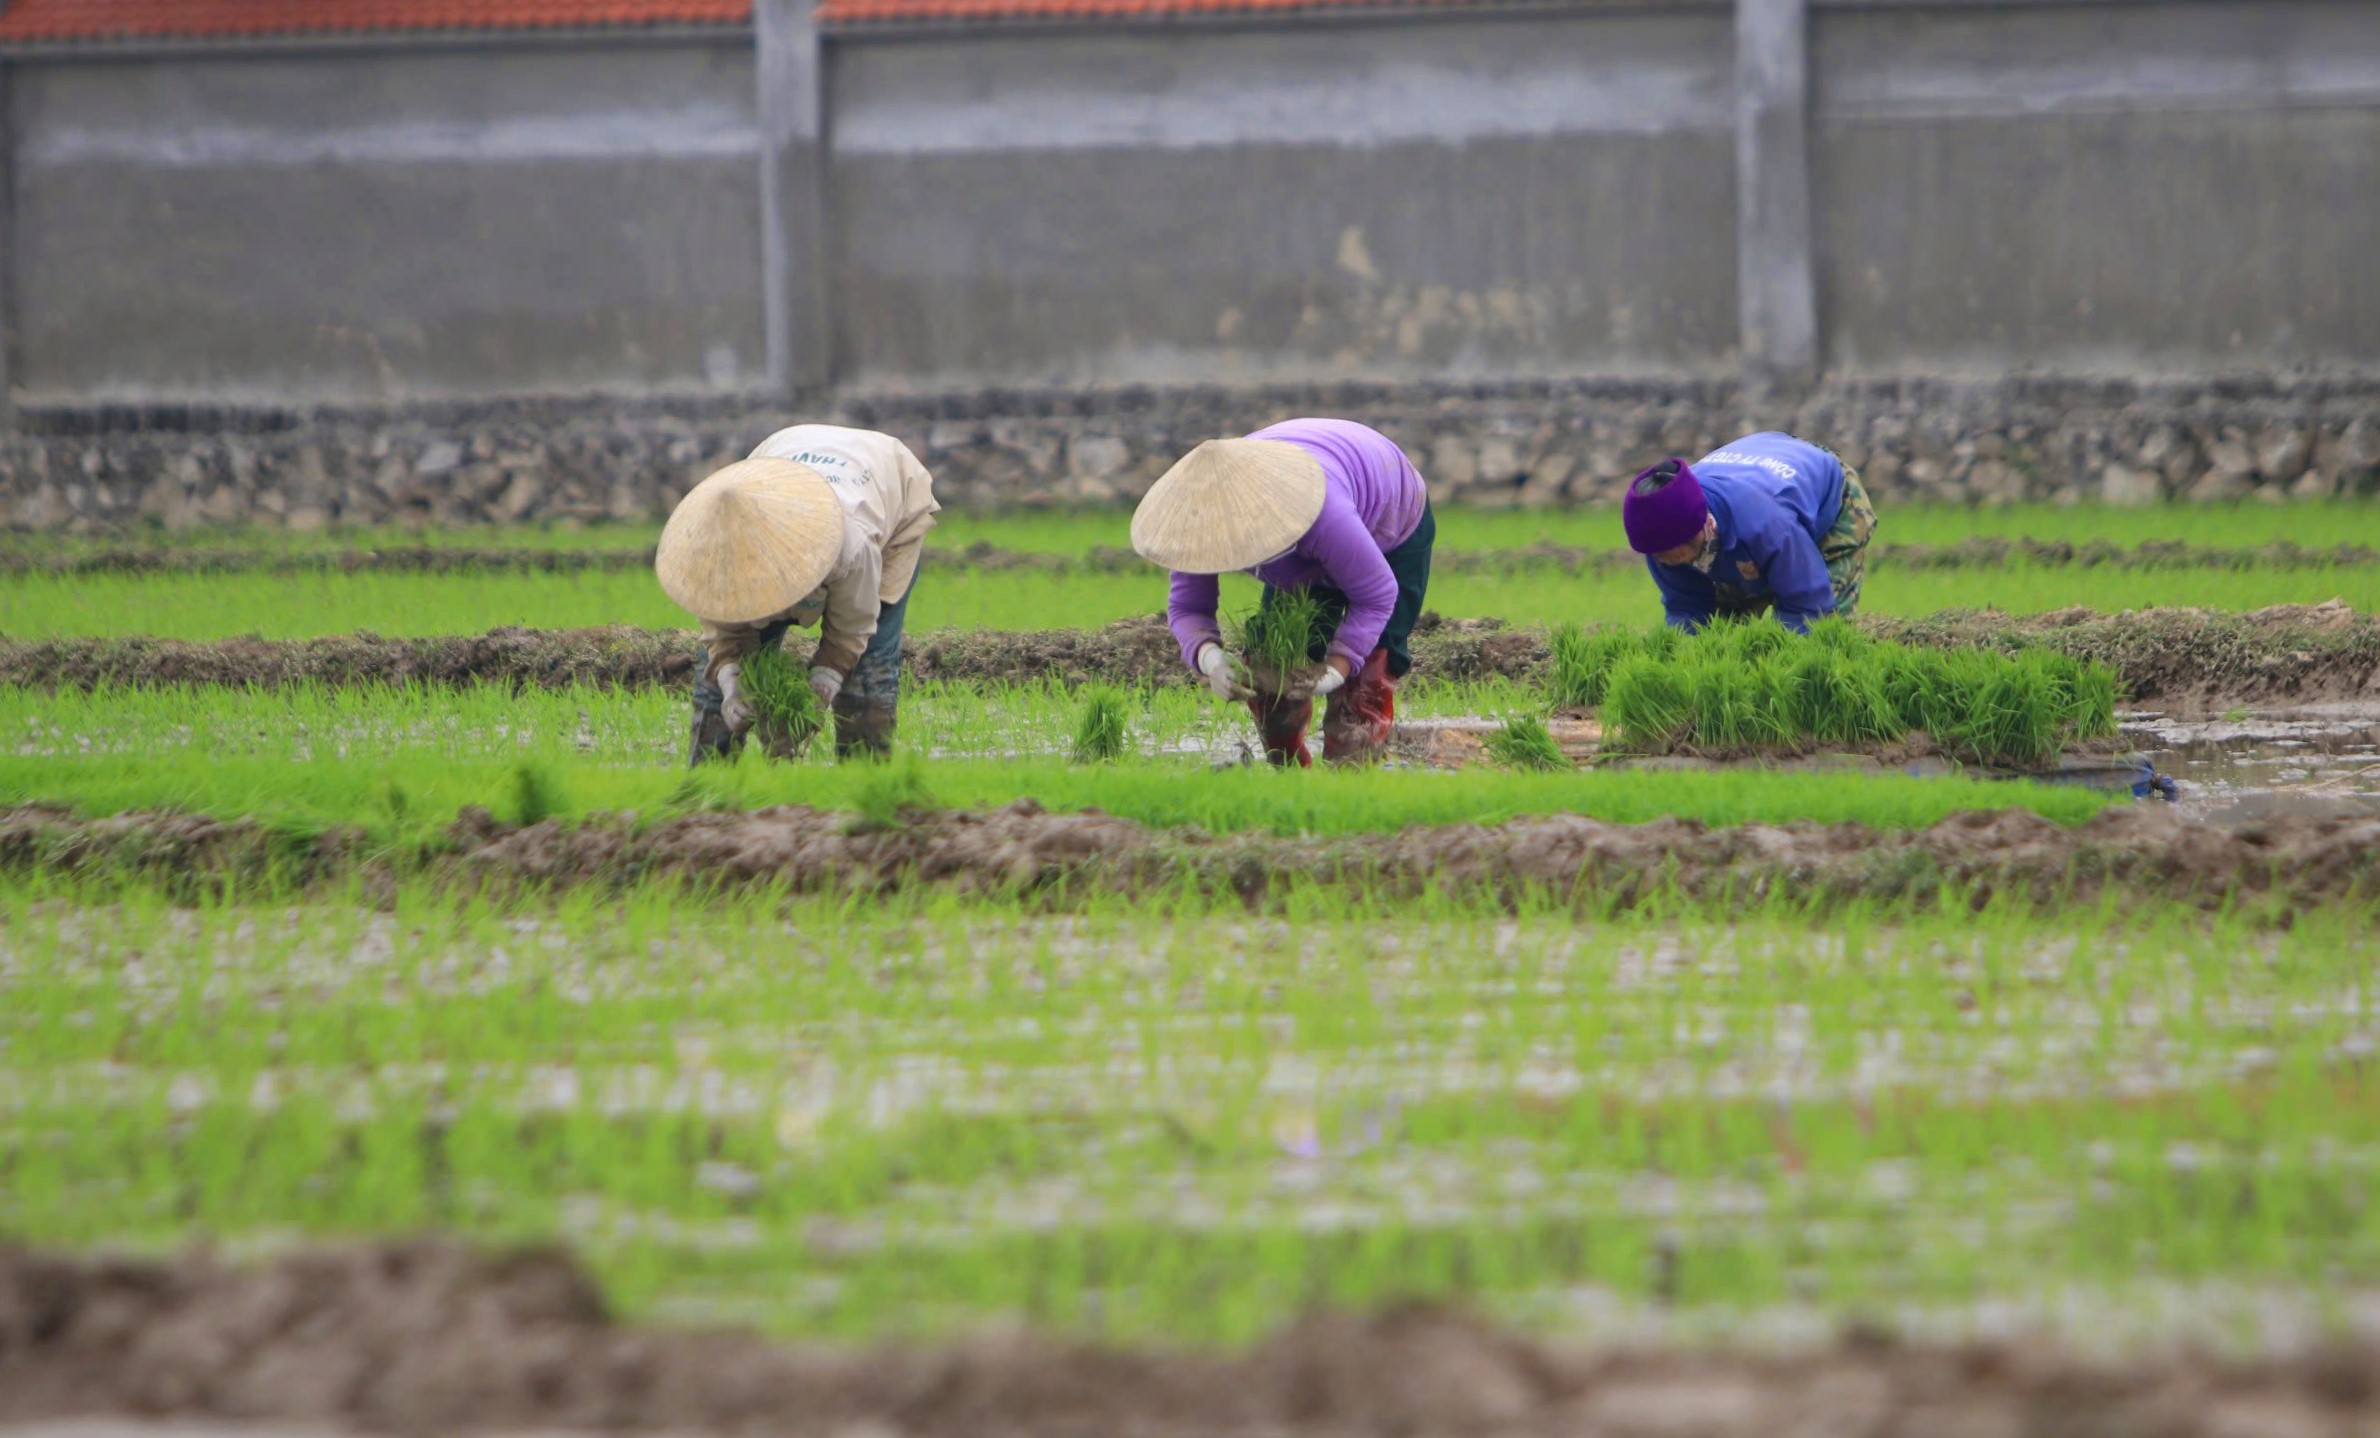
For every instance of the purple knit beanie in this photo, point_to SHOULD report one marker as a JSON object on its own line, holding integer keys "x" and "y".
{"x": 1660, "y": 515}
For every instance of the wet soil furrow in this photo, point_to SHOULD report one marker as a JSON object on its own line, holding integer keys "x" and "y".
{"x": 430, "y": 1337}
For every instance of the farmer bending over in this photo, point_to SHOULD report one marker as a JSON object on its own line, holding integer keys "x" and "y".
{"x": 1768, "y": 521}
{"x": 821, "y": 525}
{"x": 1324, "y": 505}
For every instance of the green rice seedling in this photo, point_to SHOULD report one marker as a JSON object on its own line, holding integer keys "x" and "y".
{"x": 2086, "y": 689}
{"x": 1837, "y": 633}
{"x": 786, "y": 712}
{"x": 1661, "y": 642}
{"x": 1748, "y": 639}
{"x": 970, "y": 1103}
{"x": 536, "y": 794}
{"x": 1830, "y": 695}
{"x": 1571, "y": 681}
{"x": 1079, "y": 532}
{"x": 1105, "y": 729}
{"x": 1735, "y": 704}
{"x": 1646, "y": 704}
{"x": 1914, "y": 681}
{"x": 2012, "y": 714}
{"x": 1279, "y": 637}
{"x": 892, "y": 791}
{"x": 1154, "y": 793}
{"x": 1583, "y": 661}
{"x": 1524, "y": 743}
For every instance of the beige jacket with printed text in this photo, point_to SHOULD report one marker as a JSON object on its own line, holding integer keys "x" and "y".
{"x": 888, "y": 505}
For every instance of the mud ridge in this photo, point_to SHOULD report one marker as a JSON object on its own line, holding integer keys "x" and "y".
{"x": 429, "y": 1337}
{"x": 2185, "y": 659}
{"x": 619, "y": 656}
{"x": 2139, "y": 853}
{"x": 1981, "y": 553}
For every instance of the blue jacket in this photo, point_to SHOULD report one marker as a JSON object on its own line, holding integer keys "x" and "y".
{"x": 1773, "y": 496}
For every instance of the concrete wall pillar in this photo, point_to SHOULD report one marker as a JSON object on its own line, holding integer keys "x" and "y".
{"x": 793, "y": 241}
{"x": 1776, "y": 262}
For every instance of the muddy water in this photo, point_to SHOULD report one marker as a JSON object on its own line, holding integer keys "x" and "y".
{"x": 2247, "y": 765}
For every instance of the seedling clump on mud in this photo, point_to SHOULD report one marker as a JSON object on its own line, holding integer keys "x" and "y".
{"x": 786, "y": 713}
{"x": 1582, "y": 664}
{"x": 1749, "y": 685}
{"x": 892, "y": 793}
{"x": 1524, "y": 743}
{"x": 1280, "y": 637}
{"x": 1105, "y": 728}
{"x": 536, "y": 795}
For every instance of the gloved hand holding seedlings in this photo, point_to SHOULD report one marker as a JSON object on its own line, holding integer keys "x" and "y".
{"x": 1336, "y": 522}
{"x": 734, "y": 709}
{"x": 1221, "y": 675}
{"x": 821, "y": 525}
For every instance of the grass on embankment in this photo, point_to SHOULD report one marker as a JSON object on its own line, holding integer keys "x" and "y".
{"x": 291, "y": 606}
{"x": 409, "y": 802}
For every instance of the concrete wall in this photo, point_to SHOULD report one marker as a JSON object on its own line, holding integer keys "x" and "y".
{"x": 1670, "y": 190}
{"x": 2173, "y": 187}
{"x": 385, "y": 224}
{"x": 1486, "y": 198}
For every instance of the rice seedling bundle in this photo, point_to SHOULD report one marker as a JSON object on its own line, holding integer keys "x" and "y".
{"x": 1280, "y": 637}
{"x": 890, "y": 792}
{"x": 1582, "y": 663}
{"x": 1525, "y": 743}
{"x": 1646, "y": 705}
{"x": 1734, "y": 703}
{"x": 1571, "y": 681}
{"x": 1831, "y": 695}
{"x": 2016, "y": 713}
{"x": 1739, "y": 685}
{"x": 1751, "y": 640}
{"x": 1105, "y": 728}
{"x": 2088, "y": 690}
{"x": 786, "y": 712}
{"x": 1835, "y": 632}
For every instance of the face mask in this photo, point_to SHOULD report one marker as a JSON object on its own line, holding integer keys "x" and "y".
{"x": 1710, "y": 546}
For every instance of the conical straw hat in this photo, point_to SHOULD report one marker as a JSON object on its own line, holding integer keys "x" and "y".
{"x": 751, "y": 541}
{"x": 1229, "y": 504}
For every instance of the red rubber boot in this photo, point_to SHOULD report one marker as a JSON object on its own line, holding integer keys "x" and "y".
{"x": 1357, "y": 723}
{"x": 1283, "y": 726}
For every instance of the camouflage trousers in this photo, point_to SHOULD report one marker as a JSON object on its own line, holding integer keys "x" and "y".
{"x": 1844, "y": 547}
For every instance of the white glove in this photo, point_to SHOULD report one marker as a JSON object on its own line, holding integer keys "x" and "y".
{"x": 1216, "y": 666}
{"x": 826, "y": 684}
{"x": 732, "y": 705}
{"x": 1329, "y": 682}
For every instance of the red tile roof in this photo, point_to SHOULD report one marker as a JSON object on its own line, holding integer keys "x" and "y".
{"x": 38, "y": 21}
{"x": 24, "y": 21}
{"x": 869, "y": 12}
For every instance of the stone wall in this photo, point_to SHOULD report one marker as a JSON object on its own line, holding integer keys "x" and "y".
{"x": 1525, "y": 445}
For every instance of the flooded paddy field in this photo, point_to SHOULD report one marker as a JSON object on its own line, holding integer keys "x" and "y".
{"x": 1193, "y": 1130}
{"x": 393, "y": 1035}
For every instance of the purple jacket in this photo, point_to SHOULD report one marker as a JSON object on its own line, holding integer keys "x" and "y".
{"x": 1372, "y": 500}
